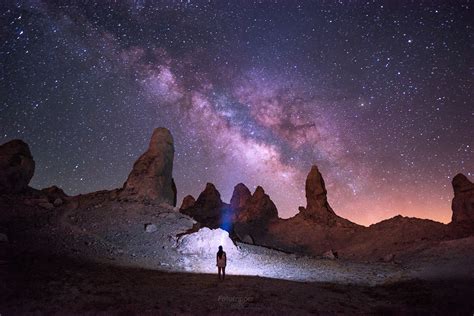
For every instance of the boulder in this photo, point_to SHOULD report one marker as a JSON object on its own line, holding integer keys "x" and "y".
{"x": 205, "y": 242}
{"x": 463, "y": 201}
{"x": 58, "y": 202}
{"x": 151, "y": 177}
{"x": 150, "y": 228}
{"x": 16, "y": 166}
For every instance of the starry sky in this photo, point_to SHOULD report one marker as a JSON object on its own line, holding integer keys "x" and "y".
{"x": 378, "y": 94}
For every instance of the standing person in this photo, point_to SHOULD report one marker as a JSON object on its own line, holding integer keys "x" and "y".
{"x": 221, "y": 259}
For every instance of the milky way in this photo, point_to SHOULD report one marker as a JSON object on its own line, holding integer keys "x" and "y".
{"x": 377, "y": 94}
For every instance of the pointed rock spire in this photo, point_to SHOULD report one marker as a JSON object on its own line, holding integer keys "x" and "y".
{"x": 209, "y": 198}
{"x": 208, "y": 209}
{"x": 316, "y": 197}
{"x": 259, "y": 207}
{"x": 151, "y": 176}
{"x": 240, "y": 196}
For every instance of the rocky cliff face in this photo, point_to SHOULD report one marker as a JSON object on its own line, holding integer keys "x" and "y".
{"x": 151, "y": 177}
{"x": 16, "y": 166}
{"x": 463, "y": 201}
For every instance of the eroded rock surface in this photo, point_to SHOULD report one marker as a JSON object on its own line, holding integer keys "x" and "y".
{"x": 151, "y": 177}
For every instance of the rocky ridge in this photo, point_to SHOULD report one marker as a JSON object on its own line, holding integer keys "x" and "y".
{"x": 251, "y": 218}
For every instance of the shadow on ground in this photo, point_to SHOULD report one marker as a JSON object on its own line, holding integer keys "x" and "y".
{"x": 46, "y": 285}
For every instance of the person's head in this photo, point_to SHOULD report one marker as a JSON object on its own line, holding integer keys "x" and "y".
{"x": 220, "y": 248}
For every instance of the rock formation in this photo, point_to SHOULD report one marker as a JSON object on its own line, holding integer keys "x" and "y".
{"x": 16, "y": 166}
{"x": 188, "y": 202}
{"x": 254, "y": 216}
{"x": 208, "y": 209}
{"x": 463, "y": 201}
{"x": 151, "y": 177}
{"x": 317, "y": 207}
{"x": 205, "y": 242}
{"x": 240, "y": 196}
{"x": 258, "y": 208}
{"x": 53, "y": 193}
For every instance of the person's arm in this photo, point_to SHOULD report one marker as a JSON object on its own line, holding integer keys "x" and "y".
{"x": 217, "y": 259}
{"x": 225, "y": 258}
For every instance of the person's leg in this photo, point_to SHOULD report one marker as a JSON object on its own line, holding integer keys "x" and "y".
{"x": 223, "y": 273}
{"x": 219, "y": 272}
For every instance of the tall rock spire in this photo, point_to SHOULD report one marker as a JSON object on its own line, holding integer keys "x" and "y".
{"x": 317, "y": 206}
{"x": 151, "y": 176}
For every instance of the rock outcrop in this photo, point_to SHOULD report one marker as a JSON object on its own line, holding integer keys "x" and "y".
{"x": 253, "y": 218}
{"x": 16, "y": 166}
{"x": 313, "y": 230}
{"x": 463, "y": 201}
{"x": 240, "y": 197}
{"x": 53, "y": 193}
{"x": 258, "y": 208}
{"x": 205, "y": 242}
{"x": 151, "y": 177}
{"x": 208, "y": 210}
{"x": 188, "y": 202}
{"x": 317, "y": 206}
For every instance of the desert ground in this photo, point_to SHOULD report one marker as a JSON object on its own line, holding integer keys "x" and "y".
{"x": 97, "y": 258}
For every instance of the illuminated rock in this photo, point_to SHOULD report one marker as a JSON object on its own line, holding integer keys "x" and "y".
{"x": 205, "y": 242}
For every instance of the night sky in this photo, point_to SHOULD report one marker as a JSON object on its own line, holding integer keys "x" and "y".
{"x": 377, "y": 94}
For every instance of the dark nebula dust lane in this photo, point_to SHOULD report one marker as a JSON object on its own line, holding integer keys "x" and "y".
{"x": 377, "y": 94}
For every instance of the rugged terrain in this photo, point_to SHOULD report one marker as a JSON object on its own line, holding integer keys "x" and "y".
{"x": 131, "y": 250}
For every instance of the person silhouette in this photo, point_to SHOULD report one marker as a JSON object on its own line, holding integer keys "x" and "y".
{"x": 221, "y": 262}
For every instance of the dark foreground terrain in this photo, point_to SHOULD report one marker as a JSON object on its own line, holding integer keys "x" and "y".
{"x": 131, "y": 251}
{"x": 53, "y": 285}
